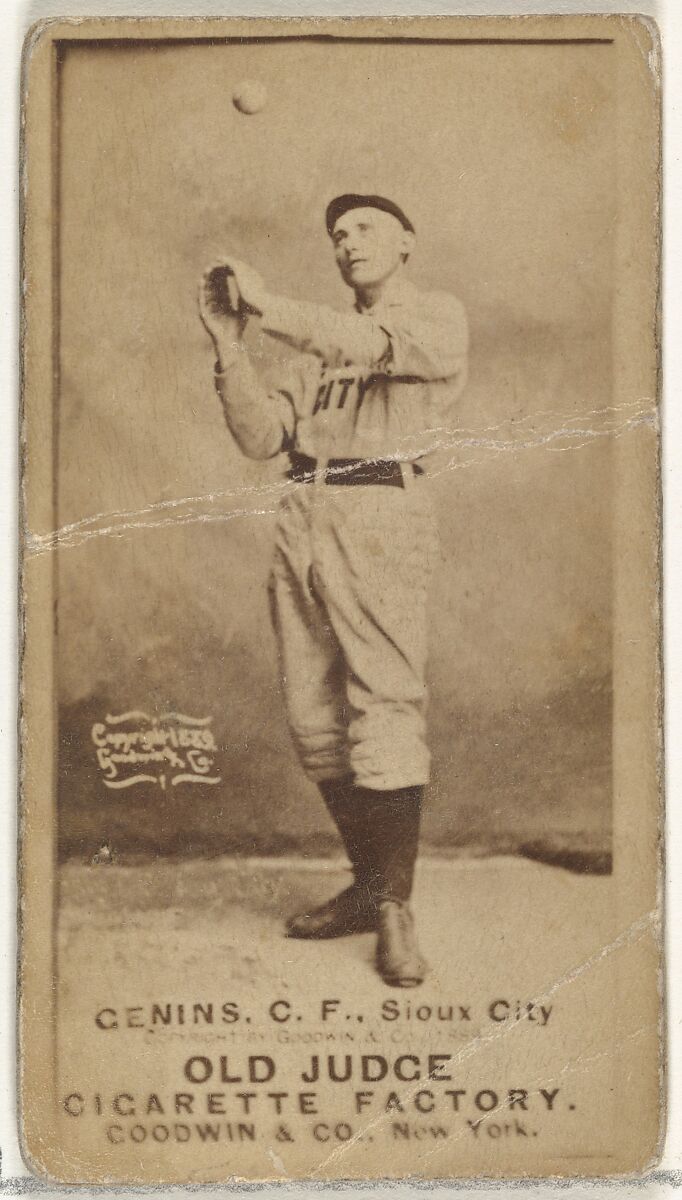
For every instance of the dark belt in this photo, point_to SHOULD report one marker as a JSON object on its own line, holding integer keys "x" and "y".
{"x": 343, "y": 472}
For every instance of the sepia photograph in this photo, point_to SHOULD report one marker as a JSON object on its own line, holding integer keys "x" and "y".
{"x": 341, "y": 790}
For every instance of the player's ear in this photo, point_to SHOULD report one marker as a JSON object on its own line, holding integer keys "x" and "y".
{"x": 407, "y": 244}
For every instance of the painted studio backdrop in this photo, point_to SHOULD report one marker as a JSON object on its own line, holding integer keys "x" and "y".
{"x": 504, "y": 159}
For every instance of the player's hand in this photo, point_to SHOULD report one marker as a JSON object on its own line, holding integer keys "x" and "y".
{"x": 222, "y": 312}
{"x": 250, "y": 286}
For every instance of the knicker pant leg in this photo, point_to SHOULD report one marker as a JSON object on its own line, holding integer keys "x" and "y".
{"x": 312, "y": 672}
{"x": 375, "y": 571}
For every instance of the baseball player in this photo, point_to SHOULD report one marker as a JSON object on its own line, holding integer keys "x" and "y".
{"x": 360, "y": 413}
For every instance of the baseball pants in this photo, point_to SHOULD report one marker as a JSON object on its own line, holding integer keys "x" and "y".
{"x": 348, "y": 595}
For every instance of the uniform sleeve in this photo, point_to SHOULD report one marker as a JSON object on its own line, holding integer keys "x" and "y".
{"x": 426, "y": 341}
{"x": 262, "y": 421}
{"x": 340, "y": 339}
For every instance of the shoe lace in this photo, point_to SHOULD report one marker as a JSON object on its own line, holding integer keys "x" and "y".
{"x": 404, "y": 919}
{"x": 400, "y": 913}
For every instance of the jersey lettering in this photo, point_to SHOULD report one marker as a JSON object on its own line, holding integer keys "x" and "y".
{"x": 345, "y": 384}
{"x": 335, "y": 392}
{"x": 322, "y": 398}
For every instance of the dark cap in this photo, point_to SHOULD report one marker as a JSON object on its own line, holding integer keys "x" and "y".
{"x": 344, "y": 204}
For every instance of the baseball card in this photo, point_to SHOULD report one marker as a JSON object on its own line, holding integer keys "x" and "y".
{"x": 340, "y": 794}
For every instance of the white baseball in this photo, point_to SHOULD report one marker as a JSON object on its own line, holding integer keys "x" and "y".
{"x": 250, "y": 97}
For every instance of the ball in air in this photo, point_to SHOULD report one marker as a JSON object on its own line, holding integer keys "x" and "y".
{"x": 249, "y": 97}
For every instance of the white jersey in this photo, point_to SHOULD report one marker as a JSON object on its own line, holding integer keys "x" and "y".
{"x": 345, "y": 399}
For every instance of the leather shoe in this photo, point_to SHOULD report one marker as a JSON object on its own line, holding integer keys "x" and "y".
{"x": 399, "y": 960}
{"x": 352, "y": 911}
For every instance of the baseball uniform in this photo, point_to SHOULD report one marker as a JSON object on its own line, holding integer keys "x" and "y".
{"x": 363, "y": 413}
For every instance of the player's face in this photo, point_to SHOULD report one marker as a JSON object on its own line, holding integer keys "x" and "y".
{"x": 369, "y": 246}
